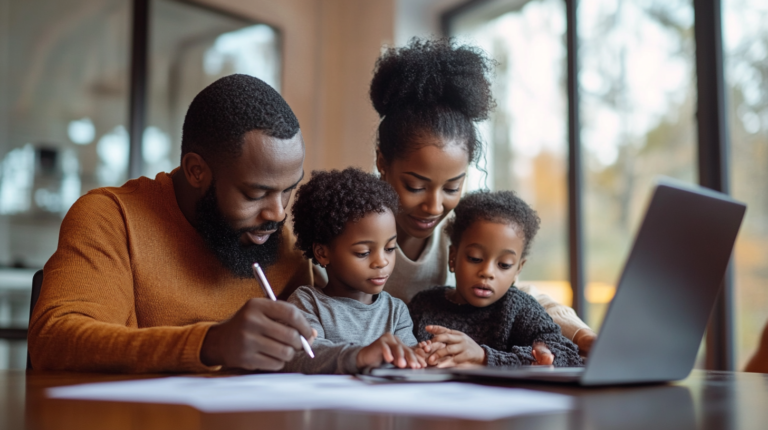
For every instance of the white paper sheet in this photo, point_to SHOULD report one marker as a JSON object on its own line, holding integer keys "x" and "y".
{"x": 299, "y": 392}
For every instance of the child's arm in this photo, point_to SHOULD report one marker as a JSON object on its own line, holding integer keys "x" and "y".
{"x": 532, "y": 325}
{"x": 329, "y": 357}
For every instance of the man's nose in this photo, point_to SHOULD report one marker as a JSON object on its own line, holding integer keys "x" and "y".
{"x": 273, "y": 210}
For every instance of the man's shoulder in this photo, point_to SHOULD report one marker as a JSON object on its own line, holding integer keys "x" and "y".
{"x": 128, "y": 194}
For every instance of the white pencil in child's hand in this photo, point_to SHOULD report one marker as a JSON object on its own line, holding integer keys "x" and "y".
{"x": 262, "y": 279}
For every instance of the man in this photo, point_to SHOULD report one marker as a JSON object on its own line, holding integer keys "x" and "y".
{"x": 143, "y": 273}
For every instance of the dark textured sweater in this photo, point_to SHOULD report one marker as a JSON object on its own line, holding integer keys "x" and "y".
{"x": 506, "y": 330}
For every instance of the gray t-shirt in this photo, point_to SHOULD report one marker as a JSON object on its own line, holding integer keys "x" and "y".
{"x": 344, "y": 326}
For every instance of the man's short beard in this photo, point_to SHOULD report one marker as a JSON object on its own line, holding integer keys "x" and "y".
{"x": 225, "y": 241}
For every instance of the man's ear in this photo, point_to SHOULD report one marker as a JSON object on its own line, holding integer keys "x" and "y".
{"x": 381, "y": 164}
{"x": 452, "y": 253}
{"x": 321, "y": 253}
{"x": 197, "y": 172}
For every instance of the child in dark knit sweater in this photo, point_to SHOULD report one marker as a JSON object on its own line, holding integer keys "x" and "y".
{"x": 485, "y": 319}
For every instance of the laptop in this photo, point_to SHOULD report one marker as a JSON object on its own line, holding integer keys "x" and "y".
{"x": 655, "y": 323}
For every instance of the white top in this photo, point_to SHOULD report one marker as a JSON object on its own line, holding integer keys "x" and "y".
{"x": 431, "y": 268}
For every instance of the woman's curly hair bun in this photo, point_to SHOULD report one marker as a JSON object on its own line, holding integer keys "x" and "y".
{"x": 433, "y": 73}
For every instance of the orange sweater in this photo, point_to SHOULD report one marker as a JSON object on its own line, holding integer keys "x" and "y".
{"x": 132, "y": 286}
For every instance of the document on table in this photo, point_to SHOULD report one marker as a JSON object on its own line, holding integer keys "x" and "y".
{"x": 299, "y": 392}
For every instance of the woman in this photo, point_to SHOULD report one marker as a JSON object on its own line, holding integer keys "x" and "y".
{"x": 429, "y": 96}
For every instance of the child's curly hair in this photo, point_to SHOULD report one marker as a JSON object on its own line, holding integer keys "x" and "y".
{"x": 498, "y": 206}
{"x": 330, "y": 200}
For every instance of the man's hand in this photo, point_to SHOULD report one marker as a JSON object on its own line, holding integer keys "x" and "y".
{"x": 262, "y": 335}
{"x": 390, "y": 349}
{"x": 459, "y": 349}
{"x": 584, "y": 339}
{"x": 542, "y": 355}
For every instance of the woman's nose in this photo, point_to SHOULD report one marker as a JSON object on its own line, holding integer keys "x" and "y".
{"x": 433, "y": 204}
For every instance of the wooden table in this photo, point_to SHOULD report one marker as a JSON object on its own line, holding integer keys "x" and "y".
{"x": 708, "y": 400}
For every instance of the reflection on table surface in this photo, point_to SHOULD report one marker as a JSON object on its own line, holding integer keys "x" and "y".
{"x": 707, "y": 400}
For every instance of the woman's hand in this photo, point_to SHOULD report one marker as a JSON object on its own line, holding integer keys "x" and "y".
{"x": 390, "y": 349}
{"x": 457, "y": 348}
{"x": 584, "y": 339}
{"x": 542, "y": 355}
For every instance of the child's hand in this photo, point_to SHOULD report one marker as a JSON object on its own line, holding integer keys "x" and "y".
{"x": 542, "y": 355}
{"x": 389, "y": 348}
{"x": 425, "y": 348}
{"x": 458, "y": 348}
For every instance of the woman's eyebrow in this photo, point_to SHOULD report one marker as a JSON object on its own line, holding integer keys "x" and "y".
{"x": 424, "y": 178}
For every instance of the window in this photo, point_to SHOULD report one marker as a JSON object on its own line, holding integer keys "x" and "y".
{"x": 526, "y": 137}
{"x": 637, "y": 96}
{"x": 636, "y": 73}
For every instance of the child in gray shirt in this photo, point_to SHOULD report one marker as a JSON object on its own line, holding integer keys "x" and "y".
{"x": 345, "y": 222}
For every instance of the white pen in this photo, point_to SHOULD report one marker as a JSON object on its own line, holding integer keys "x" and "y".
{"x": 267, "y": 289}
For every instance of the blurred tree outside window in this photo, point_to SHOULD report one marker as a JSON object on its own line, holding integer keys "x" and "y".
{"x": 745, "y": 45}
{"x": 637, "y": 108}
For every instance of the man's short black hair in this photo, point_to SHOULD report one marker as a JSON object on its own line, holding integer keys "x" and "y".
{"x": 498, "y": 206}
{"x": 330, "y": 200}
{"x": 221, "y": 114}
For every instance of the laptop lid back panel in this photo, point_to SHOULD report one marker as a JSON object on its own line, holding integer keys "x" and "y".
{"x": 674, "y": 272}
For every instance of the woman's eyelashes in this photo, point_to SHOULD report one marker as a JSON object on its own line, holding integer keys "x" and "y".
{"x": 452, "y": 190}
{"x": 418, "y": 190}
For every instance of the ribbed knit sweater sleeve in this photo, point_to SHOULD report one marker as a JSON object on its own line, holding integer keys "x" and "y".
{"x": 86, "y": 320}
{"x": 531, "y": 324}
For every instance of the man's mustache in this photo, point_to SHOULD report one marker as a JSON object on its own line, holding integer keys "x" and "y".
{"x": 267, "y": 226}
